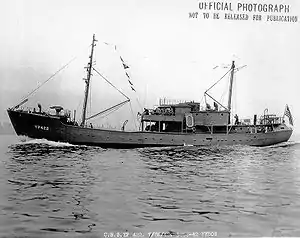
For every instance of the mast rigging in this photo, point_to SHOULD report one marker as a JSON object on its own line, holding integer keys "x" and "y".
{"x": 87, "y": 82}
{"x": 231, "y": 70}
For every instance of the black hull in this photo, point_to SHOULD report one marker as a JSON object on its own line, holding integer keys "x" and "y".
{"x": 37, "y": 126}
{"x": 43, "y": 126}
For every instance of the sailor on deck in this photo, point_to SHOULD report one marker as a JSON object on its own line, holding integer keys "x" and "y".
{"x": 236, "y": 119}
{"x": 216, "y": 106}
{"x": 146, "y": 111}
{"x": 40, "y": 107}
{"x": 208, "y": 107}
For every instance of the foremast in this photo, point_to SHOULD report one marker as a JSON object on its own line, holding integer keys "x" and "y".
{"x": 87, "y": 82}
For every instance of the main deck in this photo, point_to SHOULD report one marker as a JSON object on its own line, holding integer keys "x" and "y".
{"x": 52, "y": 128}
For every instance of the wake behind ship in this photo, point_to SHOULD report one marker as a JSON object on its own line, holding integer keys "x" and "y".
{"x": 169, "y": 124}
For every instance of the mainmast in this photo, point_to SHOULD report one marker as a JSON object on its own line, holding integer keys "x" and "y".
{"x": 87, "y": 82}
{"x": 230, "y": 86}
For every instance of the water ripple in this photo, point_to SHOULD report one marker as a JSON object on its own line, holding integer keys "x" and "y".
{"x": 50, "y": 189}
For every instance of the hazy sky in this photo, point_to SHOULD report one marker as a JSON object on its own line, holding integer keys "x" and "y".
{"x": 169, "y": 54}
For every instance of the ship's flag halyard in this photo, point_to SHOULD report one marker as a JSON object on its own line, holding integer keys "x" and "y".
{"x": 128, "y": 77}
{"x": 127, "y": 73}
{"x": 288, "y": 113}
{"x": 126, "y": 67}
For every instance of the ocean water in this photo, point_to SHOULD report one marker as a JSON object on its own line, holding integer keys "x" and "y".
{"x": 50, "y": 189}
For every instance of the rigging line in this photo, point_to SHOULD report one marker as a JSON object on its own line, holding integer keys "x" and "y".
{"x": 139, "y": 103}
{"x": 133, "y": 116}
{"x": 218, "y": 81}
{"x": 67, "y": 64}
{"x": 90, "y": 96}
{"x": 108, "y": 109}
{"x": 62, "y": 68}
{"x": 146, "y": 95}
{"x": 110, "y": 83}
{"x": 201, "y": 101}
{"x": 225, "y": 90}
{"x": 108, "y": 113}
{"x": 217, "y": 101}
{"x": 90, "y": 88}
{"x": 79, "y": 105}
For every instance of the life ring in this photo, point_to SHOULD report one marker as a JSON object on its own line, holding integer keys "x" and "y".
{"x": 189, "y": 120}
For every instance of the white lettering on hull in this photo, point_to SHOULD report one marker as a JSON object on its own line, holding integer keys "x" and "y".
{"x": 42, "y": 128}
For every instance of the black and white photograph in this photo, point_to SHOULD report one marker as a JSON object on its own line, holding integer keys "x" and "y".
{"x": 149, "y": 118}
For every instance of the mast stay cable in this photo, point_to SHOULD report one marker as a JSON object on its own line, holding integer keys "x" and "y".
{"x": 217, "y": 81}
{"x": 25, "y": 99}
{"x": 133, "y": 116}
{"x": 205, "y": 93}
{"x": 113, "y": 108}
{"x": 51, "y": 77}
{"x": 109, "y": 110}
{"x": 110, "y": 83}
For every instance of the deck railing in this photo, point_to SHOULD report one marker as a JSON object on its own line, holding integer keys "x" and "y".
{"x": 166, "y": 101}
{"x": 47, "y": 111}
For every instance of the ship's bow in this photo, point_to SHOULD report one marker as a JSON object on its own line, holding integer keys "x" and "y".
{"x": 36, "y": 125}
